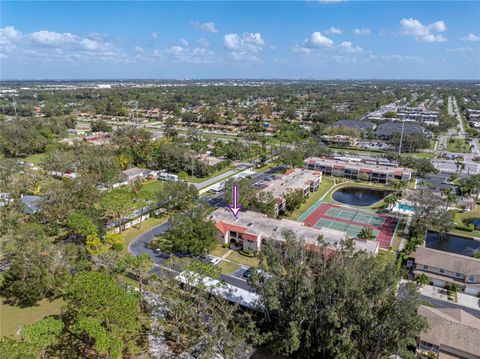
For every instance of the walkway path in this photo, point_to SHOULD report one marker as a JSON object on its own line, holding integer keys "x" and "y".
{"x": 403, "y": 241}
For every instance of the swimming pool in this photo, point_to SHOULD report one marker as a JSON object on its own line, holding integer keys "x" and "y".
{"x": 405, "y": 207}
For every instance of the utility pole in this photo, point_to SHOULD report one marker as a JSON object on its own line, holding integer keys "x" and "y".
{"x": 401, "y": 139}
{"x": 15, "y": 107}
{"x": 136, "y": 112}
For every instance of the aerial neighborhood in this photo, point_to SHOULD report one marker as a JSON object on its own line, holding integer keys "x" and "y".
{"x": 187, "y": 183}
{"x": 164, "y": 200}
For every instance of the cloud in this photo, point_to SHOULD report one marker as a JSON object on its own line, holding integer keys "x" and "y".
{"x": 395, "y": 58}
{"x": 334, "y": 31}
{"x": 244, "y": 47}
{"x": 460, "y": 49}
{"x": 470, "y": 37}
{"x": 205, "y": 26}
{"x": 52, "y": 45}
{"x": 154, "y": 35}
{"x": 196, "y": 55}
{"x": 362, "y": 31}
{"x": 203, "y": 43}
{"x": 139, "y": 49}
{"x": 331, "y": 1}
{"x": 183, "y": 42}
{"x": 316, "y": 39}
{"x": 347, "y": 46}
{"x": 421, "y": 32}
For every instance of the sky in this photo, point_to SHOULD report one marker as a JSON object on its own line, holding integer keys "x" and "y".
{"x": 329, "y": 39}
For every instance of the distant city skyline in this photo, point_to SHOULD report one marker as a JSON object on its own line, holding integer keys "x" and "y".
{"x": 220, "y": 40}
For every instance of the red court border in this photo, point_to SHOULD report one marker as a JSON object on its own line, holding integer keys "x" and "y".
{"x": 386, "y": 231}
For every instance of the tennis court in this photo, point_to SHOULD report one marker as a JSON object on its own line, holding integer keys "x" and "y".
{"x": 351, "y": 221}
{"x": 355, "y": 216}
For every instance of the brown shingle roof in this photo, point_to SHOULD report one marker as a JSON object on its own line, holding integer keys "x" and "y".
{"x": 449, "y": 261}
{"x": 452, "y": 328}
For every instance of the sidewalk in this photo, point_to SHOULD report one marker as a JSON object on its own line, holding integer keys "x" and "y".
{"x": 434, "y": 296}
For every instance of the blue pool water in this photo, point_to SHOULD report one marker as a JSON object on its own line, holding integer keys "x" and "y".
{"x": 452, "y": 244}
{"x": 405, "y": 207}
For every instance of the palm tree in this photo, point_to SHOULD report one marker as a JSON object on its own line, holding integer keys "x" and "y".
{"x": 454, "y": 287}
{"x": 422, "y": 280}
{"x": 390, "y": 200}
{"x": 449, "y": 196}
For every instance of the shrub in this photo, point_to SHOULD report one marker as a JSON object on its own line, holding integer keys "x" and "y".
{"x": 462, "y": 227}
{"x": 247, "y": 253}
{"x": 117, "y": 247}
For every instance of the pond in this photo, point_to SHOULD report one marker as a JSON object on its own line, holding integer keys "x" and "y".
{"x": 359, "y": 196}
{"x": 452, "y": 244}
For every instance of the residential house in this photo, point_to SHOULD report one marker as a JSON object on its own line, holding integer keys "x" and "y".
{"x": 134, "y": 174}
{"x": 31, "y": 204}
{"x": 444, "y": 268}
{"x": 452, "y": 333}
{"x": 297, "y": 179}
{"x": 250, "y": 229}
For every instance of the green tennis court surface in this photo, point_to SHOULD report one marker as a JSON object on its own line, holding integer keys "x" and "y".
{"x": 355, "y": 216}
{"x": 352, "y": 230}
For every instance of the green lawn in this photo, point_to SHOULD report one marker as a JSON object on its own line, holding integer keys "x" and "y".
{"x": 214, "y": 174}
{"x": 153, "y": 185}
{"x": 219, "y": 251}
{"x": 228, "y": 267}
{"x": 398, "y": 235}
{"x": 325, "y": 186}
{"x": 265, "y": 168}
{"x": 459, "y": 217}
{"x": 458, "y": 145}
{"x": 241, "y": 259}
{"x": 133, "y": 232}
{"x": 35, "y": 159}
{"x": 12, "y": 318}
{"x": 388, "y": 257}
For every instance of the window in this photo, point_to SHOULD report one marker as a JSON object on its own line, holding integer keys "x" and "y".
{"x": 442, "y": 271}
{"x": 471, "y": 278}
{"x": 458, "y": 275}
{"x": 425, "y": 266}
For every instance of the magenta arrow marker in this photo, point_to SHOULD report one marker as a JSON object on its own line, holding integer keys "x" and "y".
{"x": 236, "y": 207}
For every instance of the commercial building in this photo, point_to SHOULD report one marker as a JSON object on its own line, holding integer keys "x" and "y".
{"x": 297, "y": 179}
{"x": 418, "y": 114}
{"x": 387, "y": 130}
{"x": 444, "y": 268}
{"x": 452, "y": 333}
{"x": 356, "y": 169}
{"x": 250, "y": 229}
{"x": 339, "y": 140}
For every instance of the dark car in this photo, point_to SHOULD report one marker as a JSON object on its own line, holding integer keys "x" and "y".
{"x": 247, "y": 274}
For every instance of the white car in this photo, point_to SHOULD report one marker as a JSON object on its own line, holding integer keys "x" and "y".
{"x": 210, "y": 260}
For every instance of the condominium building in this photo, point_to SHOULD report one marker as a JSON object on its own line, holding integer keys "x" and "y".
{"x": 297, "y": 179}
{"x": 356, "y": 169}
{"x": 444, "y": 268}
{"x": 250, "y": 229}
{"x": 452, "y": 333}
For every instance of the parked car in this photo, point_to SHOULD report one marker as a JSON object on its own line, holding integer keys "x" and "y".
{"x": 210, "y": 259}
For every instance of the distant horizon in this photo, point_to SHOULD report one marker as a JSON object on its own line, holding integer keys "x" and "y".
{"x": 234, "y": 79}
